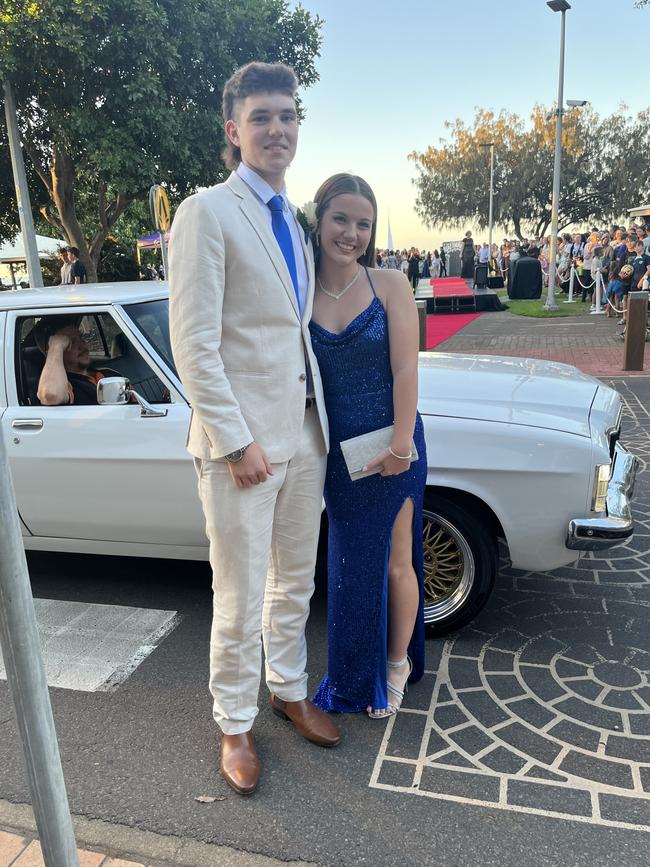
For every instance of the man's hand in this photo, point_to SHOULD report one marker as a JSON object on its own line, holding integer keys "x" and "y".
{"x": 59, "y": 341}
{"x": 252, "y": 469}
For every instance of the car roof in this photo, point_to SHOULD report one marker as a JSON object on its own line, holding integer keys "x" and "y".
{"x": 86, "y": 294}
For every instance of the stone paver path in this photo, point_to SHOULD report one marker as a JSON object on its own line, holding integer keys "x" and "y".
{"x": 591, "y": 343}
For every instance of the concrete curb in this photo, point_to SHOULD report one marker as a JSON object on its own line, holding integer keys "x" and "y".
{"x": 145, "y": 846}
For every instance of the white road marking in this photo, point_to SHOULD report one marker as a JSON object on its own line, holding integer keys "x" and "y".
{"x": 94, "y": 648}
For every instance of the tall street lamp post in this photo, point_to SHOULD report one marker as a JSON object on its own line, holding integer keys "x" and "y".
{"x": 34, "y": 272}
{"x": 551, "y": 304}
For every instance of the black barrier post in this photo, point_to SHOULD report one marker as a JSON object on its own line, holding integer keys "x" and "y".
{"x": 635, "y": 330}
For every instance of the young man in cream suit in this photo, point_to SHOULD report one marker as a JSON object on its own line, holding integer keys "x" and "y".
{"x": 241, "y": 290}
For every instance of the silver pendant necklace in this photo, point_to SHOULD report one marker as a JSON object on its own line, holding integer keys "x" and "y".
{"x": 337, "y": 295}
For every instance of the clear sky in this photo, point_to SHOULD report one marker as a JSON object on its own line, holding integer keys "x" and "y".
{"x": 391, "y": 74}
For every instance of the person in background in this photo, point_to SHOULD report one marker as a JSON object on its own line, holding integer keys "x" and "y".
{"x": 564, "y": 263}
{"x": 614, "y": 292}
{"x": 77, "y": 268}
{"x": 66, "y": 267}
{"x": 414, "y": 268}
{"x": 467, "y": 255}
{"x": 595, "y": 266}
{"x": 443, "y": 262}
{"x": 646, "y": 241}
{"x": 435, "y": 264}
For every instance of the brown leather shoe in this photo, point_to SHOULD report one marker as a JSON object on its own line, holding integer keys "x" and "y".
{"x": 311, "y": 722}
{"x": 240, "y": 767}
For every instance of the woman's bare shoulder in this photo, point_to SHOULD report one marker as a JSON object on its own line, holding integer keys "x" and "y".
{"x": 389, "y": 280}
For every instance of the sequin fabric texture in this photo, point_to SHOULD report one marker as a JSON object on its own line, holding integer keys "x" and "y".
{"x": 358, "y": 385}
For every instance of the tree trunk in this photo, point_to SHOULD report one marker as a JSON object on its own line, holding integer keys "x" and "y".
{"x": 62, "y": 174}
{"x": 108, "y": 214}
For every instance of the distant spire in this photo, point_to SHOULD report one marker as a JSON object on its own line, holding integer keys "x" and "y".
{"x": 389, "y": 243}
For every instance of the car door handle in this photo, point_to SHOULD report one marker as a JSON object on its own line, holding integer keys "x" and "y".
{"x": 27, "y": 423}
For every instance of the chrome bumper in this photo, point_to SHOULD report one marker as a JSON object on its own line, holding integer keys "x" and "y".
{"x": 593, "y": 534}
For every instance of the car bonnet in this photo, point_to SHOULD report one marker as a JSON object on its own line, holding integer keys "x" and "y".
{"x": 519, "y": 391}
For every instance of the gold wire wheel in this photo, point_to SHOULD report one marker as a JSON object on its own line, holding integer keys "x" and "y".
{"x": 448, "y": 568}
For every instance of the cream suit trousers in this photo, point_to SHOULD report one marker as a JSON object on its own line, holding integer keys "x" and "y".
{"x": 263, "y": 543}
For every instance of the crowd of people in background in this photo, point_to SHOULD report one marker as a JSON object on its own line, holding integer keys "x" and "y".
{"x": 620, "y": 254}
{"x": 414, "y": 263}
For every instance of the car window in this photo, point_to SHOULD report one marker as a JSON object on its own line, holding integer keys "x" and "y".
{"x": 111, "y": 353}
{"x": 151, "y": 318}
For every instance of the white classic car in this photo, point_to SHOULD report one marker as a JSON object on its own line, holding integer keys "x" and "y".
{"x": 519, "y": 450}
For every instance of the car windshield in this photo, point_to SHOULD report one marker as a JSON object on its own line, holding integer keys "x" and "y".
{"x": 151, "y": 318}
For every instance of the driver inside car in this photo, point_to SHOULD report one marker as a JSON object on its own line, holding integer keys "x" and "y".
{"x": 67, "y": 377}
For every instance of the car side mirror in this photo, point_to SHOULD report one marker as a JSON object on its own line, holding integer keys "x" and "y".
{"x": 116, "y": 390}
{"x": 113, "y": 390}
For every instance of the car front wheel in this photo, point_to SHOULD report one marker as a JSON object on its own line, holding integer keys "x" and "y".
{"x": 460, "y": 563}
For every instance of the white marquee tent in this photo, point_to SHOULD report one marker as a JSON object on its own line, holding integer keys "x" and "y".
{"x": 12, "y": 257}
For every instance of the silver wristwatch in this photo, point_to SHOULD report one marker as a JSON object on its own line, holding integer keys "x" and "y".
{"x": 237, "y": 455}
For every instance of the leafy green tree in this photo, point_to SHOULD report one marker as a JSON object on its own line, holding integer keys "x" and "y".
{"x": 114, "y": 95}
{"x": 604, "y": 170}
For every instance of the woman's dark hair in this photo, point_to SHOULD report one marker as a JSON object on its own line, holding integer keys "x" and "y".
{"x": 253, "y": 78}
{"x": 339, "y": 185}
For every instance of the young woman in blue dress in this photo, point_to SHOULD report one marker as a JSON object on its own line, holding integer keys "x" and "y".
{"x": 366, "y": 338}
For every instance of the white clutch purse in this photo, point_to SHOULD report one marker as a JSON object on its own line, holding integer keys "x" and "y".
{"x": 359, "y": 451}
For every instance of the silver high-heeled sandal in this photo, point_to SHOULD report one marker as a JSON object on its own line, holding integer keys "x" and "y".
{"x": 396, "y": 692}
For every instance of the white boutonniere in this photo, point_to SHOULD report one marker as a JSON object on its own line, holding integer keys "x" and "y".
{"x": 307, "y": 217}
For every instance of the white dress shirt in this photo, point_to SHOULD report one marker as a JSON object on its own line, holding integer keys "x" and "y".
{"x": 264, "y": 193}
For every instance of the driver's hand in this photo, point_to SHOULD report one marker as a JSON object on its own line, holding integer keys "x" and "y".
{"x": 59, "y": 341}
{"x": 252, "y": 469}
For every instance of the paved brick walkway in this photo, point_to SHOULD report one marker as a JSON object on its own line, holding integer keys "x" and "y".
{"x": 20, "y": 851}
{"x": 591, "y": 343}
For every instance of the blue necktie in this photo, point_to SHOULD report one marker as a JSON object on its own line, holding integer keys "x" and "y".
{"x": 283, "y": 237}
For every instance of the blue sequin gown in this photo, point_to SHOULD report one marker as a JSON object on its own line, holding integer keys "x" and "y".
{"x": 358, "y": 386}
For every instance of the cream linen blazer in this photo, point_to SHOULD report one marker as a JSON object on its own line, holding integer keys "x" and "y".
{"x": 238, "y": 340}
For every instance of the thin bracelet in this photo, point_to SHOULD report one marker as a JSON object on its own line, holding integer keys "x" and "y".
{"x": 401, "y": 457}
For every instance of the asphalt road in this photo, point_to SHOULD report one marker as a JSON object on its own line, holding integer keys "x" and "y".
{"x": 528, "y": 742}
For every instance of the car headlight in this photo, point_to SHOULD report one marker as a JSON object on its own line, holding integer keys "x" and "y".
{"x": 601, "y": 484}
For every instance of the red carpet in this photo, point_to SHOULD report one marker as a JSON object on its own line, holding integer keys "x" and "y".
{"x": 440, "y": 328}
{"x": 445, "y": 287}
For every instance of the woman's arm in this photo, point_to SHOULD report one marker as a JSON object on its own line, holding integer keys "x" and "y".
{"x": 403, "y": 334}
{"x": 404, "y": 337}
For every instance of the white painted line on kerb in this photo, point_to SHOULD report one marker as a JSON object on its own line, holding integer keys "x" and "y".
{"x": 94, "y": 648}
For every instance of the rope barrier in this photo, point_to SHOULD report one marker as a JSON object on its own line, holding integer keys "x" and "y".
{"x": 590, "y": 286}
